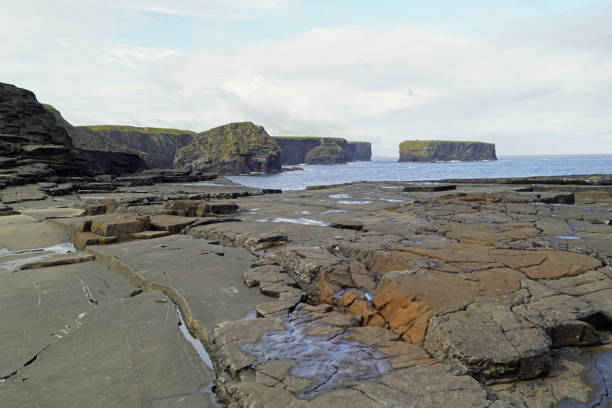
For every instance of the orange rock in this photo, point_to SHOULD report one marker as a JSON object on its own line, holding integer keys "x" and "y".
{"x": 119, "y": 224}
{"x": 407, "y": 302}
{"x": 85, "y": 239}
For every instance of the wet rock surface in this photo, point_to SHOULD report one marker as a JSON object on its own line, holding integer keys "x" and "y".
{"x": 359, "y": 294}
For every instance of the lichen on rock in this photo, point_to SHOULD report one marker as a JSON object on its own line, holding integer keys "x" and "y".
{"x": 234, "y": 148}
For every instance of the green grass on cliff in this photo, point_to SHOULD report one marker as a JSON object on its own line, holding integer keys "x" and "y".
{"x": 146, "y": 130}
{"x": 417, "y": 147}
{"x": 337, "y": 139}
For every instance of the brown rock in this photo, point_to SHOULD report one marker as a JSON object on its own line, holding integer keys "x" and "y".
{"x": 171, "y": 223}
{"x": 85, "y": 239}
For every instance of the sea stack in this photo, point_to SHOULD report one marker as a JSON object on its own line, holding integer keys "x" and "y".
{"x": 443, "y": 150}
{"x": 235, "y": 148}
{"x": 321, "y": 150}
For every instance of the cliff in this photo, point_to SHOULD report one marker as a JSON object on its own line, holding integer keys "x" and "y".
{"x": 235, "y": 148}
{"x": 360, "y": 151}
{"x": 441, "y": 150}
{"x": 320, "y": 150}
{"x": 156, "y": 146}
{"x": 34, "y": 147}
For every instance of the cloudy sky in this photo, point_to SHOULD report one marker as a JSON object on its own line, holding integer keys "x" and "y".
{"x": 532, "y": 76}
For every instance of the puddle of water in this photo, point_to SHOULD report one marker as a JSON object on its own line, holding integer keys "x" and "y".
{"x": 573, "y": 229}
{"x": 335, "y": 196}
{"x": 567, "y": 237}
{"x": 392, "y": 200}
{"x": 328, "y": 362}
{"x": 37, "y": 254}
{"x": 199, "y": 348}
{"x": 600, "y": 377}
{"x": 340, "y": 292}
{"x": 354, "y": 202}
{"x": 554, "y": 215}
{"x": 305, "y": 212}
{"x": 303, "y": 221}
{"x": 598, "y": 210}
{"x": 390, "y": 187}
{"x": 250, "y": 315}
{"x": 334, "y": 212}
{"x": 254, "y": 209}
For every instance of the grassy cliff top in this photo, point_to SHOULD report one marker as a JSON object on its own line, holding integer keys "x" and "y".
{"x": 307, "y": 138}
{"x": 146, "y": 130}
{"x": 414, "y": 146}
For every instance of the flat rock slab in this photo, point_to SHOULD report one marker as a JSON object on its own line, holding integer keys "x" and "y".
{"x": 43, "y": 305}
{"x": 57, "y": 260}
{"x": 171, "y": 223}
{"x": 149, "y": 234}
{"x": 127, "y": 352}
{"x": 19, "y": 232}
{"x": 208, "y": 276}
{"x": 49, "y": 213}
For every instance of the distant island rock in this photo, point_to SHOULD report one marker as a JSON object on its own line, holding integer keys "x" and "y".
{"x": 443, "y": 150}
{"x": 321, "y": 150}
{"x": 34, "y": 147}
{"x": 235, "y": 148}
{"x": 156, "y": 146}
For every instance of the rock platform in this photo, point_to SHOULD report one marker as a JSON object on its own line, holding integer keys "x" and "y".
{"x": 209, "y": 293}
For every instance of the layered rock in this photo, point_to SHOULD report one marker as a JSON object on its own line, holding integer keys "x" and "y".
{"x": 440, "y": 150}
{"x": 34, "y": 146}
{"x": 321, "y": 150}
{"x": 156, "y": 146}
{"x": 235, "y": 148}
{"x": 361, "y": 151}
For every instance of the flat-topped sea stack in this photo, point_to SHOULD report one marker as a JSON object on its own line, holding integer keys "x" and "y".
{"x": 235, "y": 148}
{"x": 156, "y": 146}
{"x": 321, "y": 150}
{"x": 444, "y": 150}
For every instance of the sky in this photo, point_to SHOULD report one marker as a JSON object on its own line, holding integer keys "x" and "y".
{"x": 532, "y": 76}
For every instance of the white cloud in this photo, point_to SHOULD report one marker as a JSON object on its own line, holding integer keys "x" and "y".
{"x": 523, "y": 89}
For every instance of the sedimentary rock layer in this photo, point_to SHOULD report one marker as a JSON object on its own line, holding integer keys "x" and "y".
{"x": 439, "y": 150}
{"x": 321, "y": 150}
{"x": 235, "y": 148}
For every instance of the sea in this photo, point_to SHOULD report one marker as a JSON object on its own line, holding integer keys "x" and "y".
{"x": 389, "y": 169}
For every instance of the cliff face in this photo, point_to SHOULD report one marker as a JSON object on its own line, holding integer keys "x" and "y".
{"x": 156, "y": 146}
{"x": 438, "y": 150}
{"x": 360, "y": 151}
{"x": 235, "y": 148}
{"x": 295, "y": 149}
{"x": 320, "y": 150}
{"x": 33, "y": 146}
{"x": 331, "y": 151}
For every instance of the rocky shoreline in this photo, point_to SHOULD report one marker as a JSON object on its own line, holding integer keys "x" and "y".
{"x": 471, "y": 294}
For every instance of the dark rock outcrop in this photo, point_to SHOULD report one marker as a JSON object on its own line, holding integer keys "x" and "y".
{"x": 156, "y": 146}
{"x": 440, "y": 150}
{"x": 235, "y": 148}
{"x": 320, "y": 150}
{"x": 34, "y": 147}
{"x": 360, "y": 151}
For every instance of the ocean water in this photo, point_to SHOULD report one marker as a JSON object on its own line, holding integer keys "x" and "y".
{"x": 389, "y": 169}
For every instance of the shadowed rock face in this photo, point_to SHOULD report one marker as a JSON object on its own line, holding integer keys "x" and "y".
{"x": 321, "y": 150}
{"x": 235, "y": 148}
{"x": 438, "y": 150}
{"x": 33, "y": 146}
{"x": 155, "y": 145}
{"x": 361, "y": 151}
